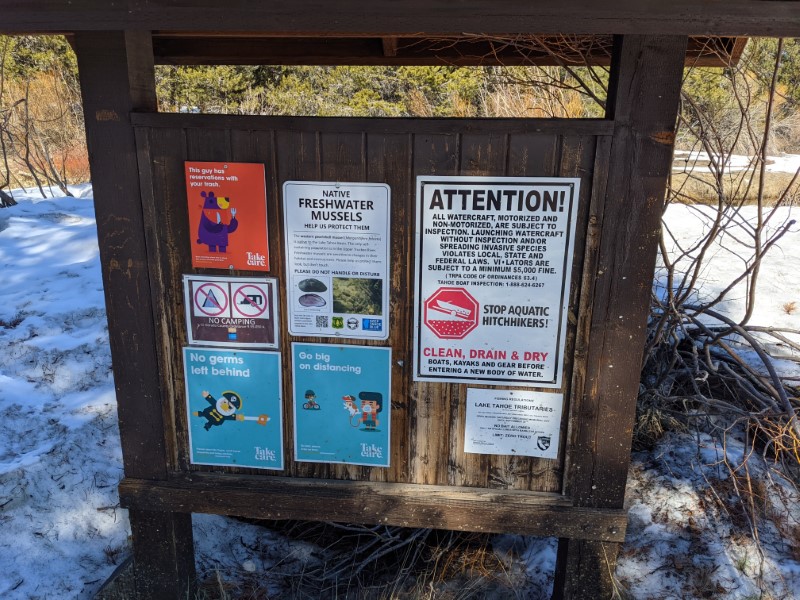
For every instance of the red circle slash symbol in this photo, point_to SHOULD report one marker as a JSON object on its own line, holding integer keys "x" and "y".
{"x": 210, "y": 299}
{"x": 250, "y": 301}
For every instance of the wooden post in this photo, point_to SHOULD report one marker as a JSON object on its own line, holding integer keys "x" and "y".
{"x": 643, "y": 101}
{"x": 117, "y": 78}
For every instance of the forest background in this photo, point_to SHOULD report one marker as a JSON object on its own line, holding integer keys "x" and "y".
{"x": 41, "y": 120}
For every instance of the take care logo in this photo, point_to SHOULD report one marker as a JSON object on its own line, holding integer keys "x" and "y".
{"x": 451, "y": 313}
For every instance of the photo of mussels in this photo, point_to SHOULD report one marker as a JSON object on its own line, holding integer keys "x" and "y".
{"x": 312, "y": 285}
{"x": 314, "y": 300}
{"x": 312, "y": 288}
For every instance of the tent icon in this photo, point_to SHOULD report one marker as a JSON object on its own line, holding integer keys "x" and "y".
{"x": 211, "y": 301}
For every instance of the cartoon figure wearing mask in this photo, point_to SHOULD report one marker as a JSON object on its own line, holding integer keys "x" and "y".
{"x": 371, "y": 405}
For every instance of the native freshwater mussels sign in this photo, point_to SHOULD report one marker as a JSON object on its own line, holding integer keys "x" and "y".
{"x": 492, "y": 280}
{"x": 337, "y": 258}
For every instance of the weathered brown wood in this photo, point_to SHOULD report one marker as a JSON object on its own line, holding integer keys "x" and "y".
{"x": 591, "y": 569}
{"x": 299, "y": 158}
{"x": 150, "y": 215}
{"x": 110, "y": 93}
{"x": 219, "y": 48}
{"x": 434, "y": 17}
{"x": 427, "y": 437}
{"x": 389, "y": 46}
{"x": 116, "y": 79}
{"x": 161, "y": 157}
{"x": 163, "y": 553}
{"x": 441, "y": 507}
{"x": 171, "y": 48}
{"x": 389, "y": 155}
{"x": 429, "y": 405}
{"x": 479, "y": 155}
{"x": 643, "y": 100}
{"x": 376, "y": 125}
{"x": 645, "y": 107}
{"x": 139, "y": 50}
{"x": 428, "y": 429}
{"x": 585, "y": 288}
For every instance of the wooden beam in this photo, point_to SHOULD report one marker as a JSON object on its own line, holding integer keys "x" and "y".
{"x": 387, "y": 125}
{"x": 163, "y": 554}
{"x": 175, "y": 48}
{"x": 643, "y": 101}
{"x": 114, "y": 83}
{"x": 116, "y": 74}
{"x": 404, "y": 505}
{"x": 389, "y": 46}
{"x": 382, "y": 18}
{"x": 180, "y": 50}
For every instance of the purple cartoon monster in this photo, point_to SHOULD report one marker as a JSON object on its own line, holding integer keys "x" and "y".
{"x": 212, "y": 230}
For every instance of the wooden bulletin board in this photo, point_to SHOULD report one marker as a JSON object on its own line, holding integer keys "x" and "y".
{"x": 621, "y": 162}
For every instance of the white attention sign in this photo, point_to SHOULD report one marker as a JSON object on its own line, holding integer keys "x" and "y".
{"x": 492, "y": 281}
{"x": 513, "y": 422}
{"x": 337, "y": 258}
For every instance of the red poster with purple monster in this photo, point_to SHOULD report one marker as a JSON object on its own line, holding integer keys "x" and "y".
{"x": 227, "y": 215}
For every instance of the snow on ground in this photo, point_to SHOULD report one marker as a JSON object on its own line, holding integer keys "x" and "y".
{"x": 62, "y": 533}
{"x": 685, "y": 160}
{"x": 688, "y": 531}
{"x": 778, "y": 303}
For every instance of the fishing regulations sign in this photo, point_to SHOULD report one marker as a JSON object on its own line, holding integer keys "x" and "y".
{"x": 492, "y": 278}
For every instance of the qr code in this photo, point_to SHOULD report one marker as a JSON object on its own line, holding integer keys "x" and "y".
{"x": 322, "y": 321}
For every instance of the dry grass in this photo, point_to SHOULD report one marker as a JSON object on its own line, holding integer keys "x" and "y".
{"x": 44, "y": 133}
{"x": 433, "y": 565}
{"x": 700, "y": 187}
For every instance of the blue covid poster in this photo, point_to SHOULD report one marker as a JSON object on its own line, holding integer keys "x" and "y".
{"x": 342, "y": 404}
{"x": 234, "y": 408}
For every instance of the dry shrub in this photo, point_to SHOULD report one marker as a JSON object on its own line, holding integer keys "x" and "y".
{"x": 654, "y": 417}
{"x": 44, "y": 139}
{"x": 380, "y": 562}
{"x": 515, "y": 100}
{"x": 695, "y": 184}
{"x": 418, "y": 104}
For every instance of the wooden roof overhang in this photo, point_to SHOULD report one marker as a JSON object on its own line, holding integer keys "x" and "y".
{"x": 410, "y": 32}
{"x": 219, "y": 48}
{"x": 399, "y": 18}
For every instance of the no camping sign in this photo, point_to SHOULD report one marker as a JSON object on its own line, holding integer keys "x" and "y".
{"x": 236, "y": 312}
{"x": 492, "y": 279}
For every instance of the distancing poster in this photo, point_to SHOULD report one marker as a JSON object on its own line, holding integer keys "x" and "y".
{"x": 237, "y": 312}
{"x": 233, "y": 402}
{"x": 227, "y": 215}
{"x": 342, "y": 404}
{"x": 337, "y": 259}
{"x": 492, "y": 279}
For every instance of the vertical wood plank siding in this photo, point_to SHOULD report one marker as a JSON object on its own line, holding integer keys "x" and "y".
{"x": 427, "y": 418}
